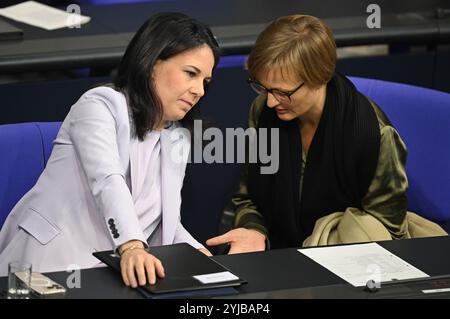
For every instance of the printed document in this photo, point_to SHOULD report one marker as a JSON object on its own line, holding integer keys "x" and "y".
{"x": 357, "y": 264}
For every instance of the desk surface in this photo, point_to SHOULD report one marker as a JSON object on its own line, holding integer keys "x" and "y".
{"x": 236, "y": 23}
{"x": 283, "y": 273}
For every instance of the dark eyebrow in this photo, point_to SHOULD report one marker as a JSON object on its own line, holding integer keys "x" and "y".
{"x": 208, "y": 78}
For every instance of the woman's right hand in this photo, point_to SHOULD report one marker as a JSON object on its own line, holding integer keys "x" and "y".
{"x": 139, "y": 262}
{"x": 241, "y": 240}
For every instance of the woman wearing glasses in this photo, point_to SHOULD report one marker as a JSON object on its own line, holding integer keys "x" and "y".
{"x": 342, "y": 174}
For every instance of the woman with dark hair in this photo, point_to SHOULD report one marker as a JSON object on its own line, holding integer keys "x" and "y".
{"x": 113, "y": 180}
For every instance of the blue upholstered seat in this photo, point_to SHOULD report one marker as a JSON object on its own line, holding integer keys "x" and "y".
{"x": 422, "y": 117}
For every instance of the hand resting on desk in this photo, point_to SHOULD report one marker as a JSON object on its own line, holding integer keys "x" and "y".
{"x": 241, "y": 240}
{"x": 138, "y": 260}
{"x": 135, "y": 259}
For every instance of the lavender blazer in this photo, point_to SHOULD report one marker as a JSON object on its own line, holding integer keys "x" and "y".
{"x": 83, "y": 201}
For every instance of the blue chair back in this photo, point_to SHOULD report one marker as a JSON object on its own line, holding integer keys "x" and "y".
{"x": 422, "y": 117}
{"x": 25, "y": 149}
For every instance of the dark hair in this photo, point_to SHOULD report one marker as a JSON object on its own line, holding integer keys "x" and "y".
{"x": 161, "y": 37}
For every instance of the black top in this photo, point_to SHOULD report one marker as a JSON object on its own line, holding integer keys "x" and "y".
{"x": 340, "y": 165}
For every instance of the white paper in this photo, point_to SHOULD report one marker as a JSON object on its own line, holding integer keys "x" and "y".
{"x": 216, "y": 277}
{"x": 43, "y": 16}
{"x": 359, "y": 263}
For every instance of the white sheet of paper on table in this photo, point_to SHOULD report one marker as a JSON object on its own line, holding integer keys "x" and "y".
{"x": 43, "y": 16}
{"x": 359, "y": 263}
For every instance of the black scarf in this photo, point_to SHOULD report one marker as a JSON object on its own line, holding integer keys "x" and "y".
{"x": 340, "y": 165}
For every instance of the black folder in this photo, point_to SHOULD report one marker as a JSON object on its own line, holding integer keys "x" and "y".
{"x": 181, "y": 262}
{"x": 9, "y": 32}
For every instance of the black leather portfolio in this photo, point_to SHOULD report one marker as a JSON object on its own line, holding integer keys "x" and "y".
{"x": 181, "y": 263}
{"x": 9, "y": 32}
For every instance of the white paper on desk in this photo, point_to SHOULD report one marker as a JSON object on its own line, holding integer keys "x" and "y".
{"x": 216, "y": 277}
{"x": 359, "y": 263}
{"x": 43, "y": 16}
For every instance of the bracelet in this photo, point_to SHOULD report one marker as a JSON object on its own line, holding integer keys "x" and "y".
{"x": 132, "y": 247}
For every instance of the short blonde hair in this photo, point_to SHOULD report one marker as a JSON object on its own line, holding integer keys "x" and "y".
{"x": 301, "y": 44}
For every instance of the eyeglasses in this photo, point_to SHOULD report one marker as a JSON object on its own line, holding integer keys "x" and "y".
{"x": 281, "y": 96}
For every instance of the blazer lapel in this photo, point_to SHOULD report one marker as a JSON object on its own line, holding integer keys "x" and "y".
{"x": 175, "y": 145}
{"x": 125, "y": 142}
{"x": 134, "y": 167}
